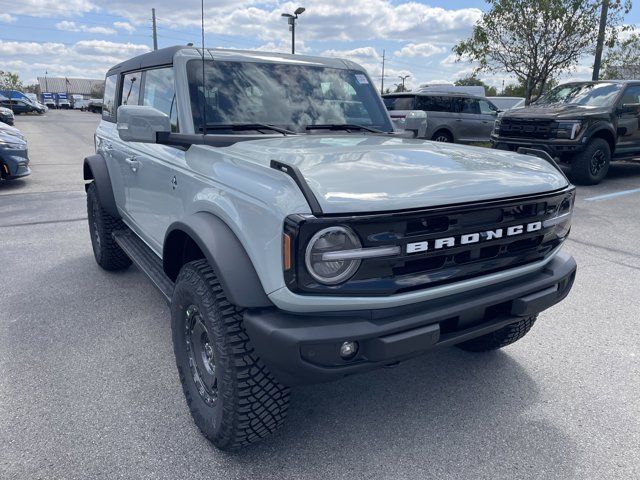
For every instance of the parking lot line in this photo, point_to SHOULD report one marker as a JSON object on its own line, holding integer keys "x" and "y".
{"x": 597, "y": 198}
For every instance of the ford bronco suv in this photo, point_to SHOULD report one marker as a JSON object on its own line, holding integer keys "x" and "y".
{"x": 584, "y": 124}
{"x": 298, "y": 239}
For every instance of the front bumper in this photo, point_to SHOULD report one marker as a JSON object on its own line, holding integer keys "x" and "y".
{"x": 304, "y": 349}
{"x": 14, "y": 163}
{"x": 553, "y": 147}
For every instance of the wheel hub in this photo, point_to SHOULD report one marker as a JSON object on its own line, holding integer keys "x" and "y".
{"x": 598, "y": 162}
{"x": 201, "y": 355}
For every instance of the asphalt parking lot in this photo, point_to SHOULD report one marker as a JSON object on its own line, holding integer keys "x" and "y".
{"x": 88, "y": 385}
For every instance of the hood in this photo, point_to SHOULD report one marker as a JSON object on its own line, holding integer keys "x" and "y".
{"x": 9, "y": 130}
{"x": 557, "y": 111}
{"x": 8, "y": 138}
{"x": 371, "y": 173}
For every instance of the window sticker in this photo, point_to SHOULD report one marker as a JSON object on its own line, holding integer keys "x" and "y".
{"x": 362, "y": 79}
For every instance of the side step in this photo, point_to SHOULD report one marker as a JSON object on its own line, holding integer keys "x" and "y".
{"x": 146, "y": 260}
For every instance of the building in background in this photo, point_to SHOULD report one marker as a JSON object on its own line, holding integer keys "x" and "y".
{"x": 88, "y": 88}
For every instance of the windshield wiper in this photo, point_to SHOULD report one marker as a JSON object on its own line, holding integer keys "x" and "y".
{"x": 342, "y": 126}
{"x": 248, "y": 126}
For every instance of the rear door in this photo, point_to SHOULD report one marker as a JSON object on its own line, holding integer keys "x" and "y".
{"x": 441, "y": 115}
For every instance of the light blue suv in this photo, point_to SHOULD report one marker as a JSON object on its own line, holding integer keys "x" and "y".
{"x": 298, "y": 239}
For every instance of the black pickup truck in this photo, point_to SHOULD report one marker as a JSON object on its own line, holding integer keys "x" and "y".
{"x": 585, "y": 124}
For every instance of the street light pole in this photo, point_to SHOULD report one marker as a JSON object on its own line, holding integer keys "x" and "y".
{"x": 403, "y": 78}
{"x": 291, "y": 20}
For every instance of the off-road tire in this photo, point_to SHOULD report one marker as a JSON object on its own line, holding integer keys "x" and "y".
{"x": 500, "y": 338}
{"x": 248, "y": 403}
{"x": 106, "y": 251}
{"x": 590, "y": 166}
{"x": 442, "y": 136}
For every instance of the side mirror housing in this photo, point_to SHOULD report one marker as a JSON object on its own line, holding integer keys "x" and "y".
{"x": 630, "y": 107}
{"x": 137, "y": 123}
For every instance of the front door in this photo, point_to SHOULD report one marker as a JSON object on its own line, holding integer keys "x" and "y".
{"x": 628, "y": 111}
{"x": 154, "y": 194}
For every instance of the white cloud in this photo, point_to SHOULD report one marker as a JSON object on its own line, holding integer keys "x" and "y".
{"x": 362, "y": 53}
{"x": 78, "y": 27}
{"x": 6, "y": 18}
{"x": 419, "y": 50}
{"x": 52, "y": 8}
{"x": 126, "y": 26}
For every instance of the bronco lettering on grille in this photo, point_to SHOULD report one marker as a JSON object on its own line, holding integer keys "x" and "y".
{"x": 469, "y": 238}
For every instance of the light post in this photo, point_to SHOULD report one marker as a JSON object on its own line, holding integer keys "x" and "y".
{"x": 291, "y": 20}
{"x": 403, "y": 78}
{"x": 46, "y": 86}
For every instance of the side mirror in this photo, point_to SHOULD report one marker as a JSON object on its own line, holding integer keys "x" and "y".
{"x": 414, "y": 124}
{"x": 630, "y": 107}
{"x": 137, "y": 123}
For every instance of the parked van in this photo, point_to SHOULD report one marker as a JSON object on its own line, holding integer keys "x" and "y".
{"x": 451, "y": 117}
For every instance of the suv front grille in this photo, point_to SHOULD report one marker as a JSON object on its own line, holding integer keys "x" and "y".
{"x": 412, "y": 271}
{"x": 526, "y": 128}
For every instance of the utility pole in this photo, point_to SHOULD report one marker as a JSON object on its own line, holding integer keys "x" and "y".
{"x": 155, "y": 30}
{"x": 600, "y": 42}
{"x": 382, "y": 78}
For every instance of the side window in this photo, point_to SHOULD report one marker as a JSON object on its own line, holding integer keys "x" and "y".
{"x": 424, "y": 103}
{"x": 487, "y": 108}
{"x": 131, "y": 88}
{"x": 469, "y": 105}
{"x": 631, "y": 95}
{"x": 109, "y": 100}
{"x": 159, "y": 93}
{"x": 436, "y": 103}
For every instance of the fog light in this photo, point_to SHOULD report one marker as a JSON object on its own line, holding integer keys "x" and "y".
{"x": 348, "y": 349}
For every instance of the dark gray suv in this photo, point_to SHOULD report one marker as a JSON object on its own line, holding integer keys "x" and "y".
{"x": 451, "y": 117}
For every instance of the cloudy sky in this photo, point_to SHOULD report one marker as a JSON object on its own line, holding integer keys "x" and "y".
{"x": 82, "y": 38}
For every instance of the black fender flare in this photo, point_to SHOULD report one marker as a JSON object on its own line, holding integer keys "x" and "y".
{"x": 224, "y": 252}
{"x": 601, "y": 127}
{"x": 95, "y": 168}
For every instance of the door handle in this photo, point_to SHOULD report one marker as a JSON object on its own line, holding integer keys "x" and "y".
{"x": 133, "y": 163}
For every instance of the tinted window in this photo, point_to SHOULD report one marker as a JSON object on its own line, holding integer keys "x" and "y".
{"x": 286, "y": 95}
{"x": 435, "y": 103}
{"x": 131, "y": 88}
{"x": 631, "y": 95}
{"x": 487, "y": 107}
{"x": 399, "y": 103}
{"x": 469, "y": 105}
{"x": 109, "y": 100}
{"x": 159, "y": 93}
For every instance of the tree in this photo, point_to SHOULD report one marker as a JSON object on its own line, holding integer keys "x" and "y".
{"x": 514, "y": 90}
{"x": 10, "y": 81}
{"x": 536, "y": 40}
{"x": 623, "y": 60}
{"x": 35, "y": 88}
{"x": 473, "y": 81}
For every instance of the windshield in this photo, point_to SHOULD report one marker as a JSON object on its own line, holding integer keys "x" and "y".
{"x": 287, "y": 96}
{"x": 588, "y": 94}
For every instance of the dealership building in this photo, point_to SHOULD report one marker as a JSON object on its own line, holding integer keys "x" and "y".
{"x": 73, "y": 86}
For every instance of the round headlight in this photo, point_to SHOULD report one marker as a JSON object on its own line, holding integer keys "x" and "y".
{"x": 328, "y": 240}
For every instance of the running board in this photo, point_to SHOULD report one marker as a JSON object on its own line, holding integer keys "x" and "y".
{"x": 146, "y": 260}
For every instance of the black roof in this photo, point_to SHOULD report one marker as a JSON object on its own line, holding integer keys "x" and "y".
{"x": 164, "y": 56}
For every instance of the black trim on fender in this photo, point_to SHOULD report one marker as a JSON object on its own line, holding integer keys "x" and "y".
{"x": 95, "y": 168}
{"x": 223, "y": 251}
{"x": 304, "y": 348}
{"x": 294, "y": 172}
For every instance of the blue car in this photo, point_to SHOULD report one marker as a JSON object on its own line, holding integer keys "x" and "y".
{"x": 14, "y": 158}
